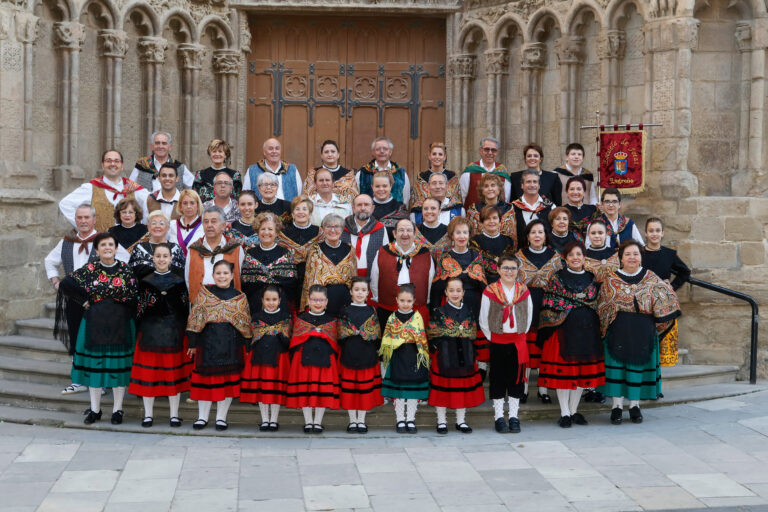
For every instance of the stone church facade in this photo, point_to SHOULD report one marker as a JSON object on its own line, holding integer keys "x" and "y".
{"x": 79, "y": 76}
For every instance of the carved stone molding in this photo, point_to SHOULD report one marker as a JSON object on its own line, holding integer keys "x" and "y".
{"x": 534, "y": 56}
{"x": 612, "y": 44}
{"x": 226, "y": 62}
{"x": 69, "y": 35}
{"x": 661, "y": 8}
{"x": 152, "y": 49}
{"x": 191, "y": 55}
{"x": 743, "y": 36}
{"x": 570, "y": 49}
{"x": 245, "y": 35}
{"x": 462, "y": 66}
{"x": 496, "y": 61}
{"x": 5, "y": 24}
{"x": 671, "y": 34}
{"x": 27, "y": 26}
{"x": 114, "y": 43}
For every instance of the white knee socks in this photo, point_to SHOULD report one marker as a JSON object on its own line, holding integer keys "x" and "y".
{"x": 543, "y": 391}
{"x": 514, "y": 407}
{"x": 361, "y": 417}
{"x": 411, "y": 405}
{"x": 149, "y": 406}
{"x": 118, "y": 394}
{"x": 527, "y": 378}
{"x": 482, "y": 365}
{"x": 264, "y": 410}
{"x": 634, "y": 403}
{"x": 352, "y": 415}
{"x": 319, "y": 412}
{"x": 95, "y": 394}
{"x": 618, "y": 401}
{"x": 498, "y": 408}
{"x": 574, "y": 399}
{"x": 400, "y": 409}
{"x": 461, "y": 415}
{"x": 222, "y": 408}
{"x": 442, "y": 415}
{"x": 274, "y": 410}
{"x": 173, "y": 404}
{"x": 203, "y": 409}
{"x": 307, "y": 411}
{"x": 563, "y": 398}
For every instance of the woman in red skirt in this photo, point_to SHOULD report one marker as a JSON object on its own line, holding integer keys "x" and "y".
{"x": 572, "y": 358}
{"x": 219, "y": 327}
{"x": 267, "y": 363}
{"x": 160, "y": 363}
{"x": 313, "y": 381}
{"x": 454, "y": 379}
{"x": 360, "y": 373}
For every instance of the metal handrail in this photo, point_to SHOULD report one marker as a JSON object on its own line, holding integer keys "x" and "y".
{"x": 752, "y": 302}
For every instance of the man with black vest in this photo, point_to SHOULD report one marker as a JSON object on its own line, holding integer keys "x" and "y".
{"x": 363, "y": 232}
{"x": 147, "y": 169}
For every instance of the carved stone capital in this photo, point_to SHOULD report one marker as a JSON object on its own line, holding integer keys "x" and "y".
{"x": 27, "y": 26}
{"x": 5, "y": 24}
{"x": 661, "y": 8}
{"x": 462, "y": 66}
{"x": 534, "y": 56}
{"x": 226, "y": 62}
{"x": 496, "y": 61}
{"x": 152, "y": 49}
{"x": 69, "y": 35}
{"x": 743, "y": 36}
{"x": 245, "y": 35}
{"x": 191, "y": 55}
{"x": 612, "y": 44}
{"x": 114, "y": 43}
{"x": 570, "y": 50}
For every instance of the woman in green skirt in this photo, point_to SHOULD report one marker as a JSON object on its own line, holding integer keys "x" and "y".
{"x": 634, "y": 306}
{"x": 103, "y": 355}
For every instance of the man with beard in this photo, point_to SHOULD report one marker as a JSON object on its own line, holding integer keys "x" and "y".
{"x": 366, "y": 234}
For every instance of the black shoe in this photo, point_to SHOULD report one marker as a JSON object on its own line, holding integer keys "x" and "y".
{"x": 117, "y": 417}
{"x": 317, "y": 429}
{"x": 635, "y": 415}
{"x": 147, "y": 422}
{"x": 524, "y": 398}
{"x": 514, "y": 425}
{"x": 463, "y": 428}
{"x": 594, "y": 396}
{"x": 501, "y": 426}
{"x": 616, "y": 415}
{"x": 352, "y": 428}
{"x": 264, "y": 427}
{"x": 200, "y": 424}
{"x": 221, "y": 425}
{"x": 545, "y": 398}
{"x": 274, "y": 426}
{"x": 564, "y": 422}
{"x": 579, "y": 419}
{"x": 411, "y": 427}
{"x": 442, "y": 428}
{"x": 308, "y": 428}
{"x": 91, "y": 417}
{"x": 175, "y": 422}
{"x": 401, "y": 428}
{"x": 362, "y": 428}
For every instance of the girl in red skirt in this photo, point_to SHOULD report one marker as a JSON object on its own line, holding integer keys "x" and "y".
{"x": 360, "y": 338}
{"x": 313, "y": 381}
{"x": 572, "y": 358}
{"x": 455, "y": 381}
{"x": 160, "y": 364}
{"x": 267, "y": 363}
{"x": 218, "y": 328}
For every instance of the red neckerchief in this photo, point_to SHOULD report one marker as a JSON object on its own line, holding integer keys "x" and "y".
{"x": 495, "y": 292}
{"x": 82, "y": 241}
{"x": 543, "y": 205}
{"x": 128, "y": 186}
{"x": 360, "y": 234}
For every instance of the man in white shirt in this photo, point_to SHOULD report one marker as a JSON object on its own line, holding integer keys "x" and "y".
{"x": 363, "y": 232}
{"x": 531, "y": 205}
{"x": 381, "y": 150}
{"x": 325, "y": 200}
{"x": 146, "y": 170}
{"x": 166, "y": 198}
{"x": 104, "y": 192}
{"x": 289, "y": 183}
{"x": 574, "y": 159}
{"x": 470, "y": 177}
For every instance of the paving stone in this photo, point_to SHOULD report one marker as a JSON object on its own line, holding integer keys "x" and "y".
{"x": 142, "y": 452}
{"x": 208, "y": 478}
{"x": 473, "y": 508}
{"x": 161, "y": 506}
{"x": 587, "y": 488}
{"x": 151, "y": 490}
{"x": 210, "y": 500}
{"x": 712, "y": 485}
{"x": 746, "y": 501}
{"x": 318, "y": 457}
{"x": 717, "y": 453}
{"x": 677, "y": 462}
{"x": 152, "y": 468}
{"x": 606, "y": 505}
{"x": 279, "y": 505}
{"x": 269, "y": 486}
{"x": 23, "y": 493}
{"x": 325, "y": 497}
{"x": 543, "y": 449}
{"x": 539, "y": 501}
{"x": 86, "y": 481}
{"x": 383, "y": 462}
{"x": 513, "y": 479}
{"x": 505, "y": 459}
{"x": 81, "y": 502}
{"x": 608, "y": 456}
{"x": 404, "y": 503}
{"x": 39, "y": 452}
{"x": 635, "y": 476}
{"x": 655, "y": 498}
{"x": 212, "y": 457}
{"x": 456, "y": 471}
{"x": 406, "y": 482}
{"x": 432, "y": 454}
{"x": 98, "y": 459}
{"x": 334, "y": 474}
{"x": 33, "y": 472}
{"x": 463, "y": 493}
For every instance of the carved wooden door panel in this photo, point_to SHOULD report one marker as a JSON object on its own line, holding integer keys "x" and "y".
{"x": 348, "y": 79}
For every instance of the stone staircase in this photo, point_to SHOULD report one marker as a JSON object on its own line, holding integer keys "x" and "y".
{"x": 34, "y": 368}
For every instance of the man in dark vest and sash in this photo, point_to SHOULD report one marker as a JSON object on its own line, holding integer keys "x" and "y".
{"x": 363, "y": 232}
{"x": 382, "y": 148}
{"x": 166, "y": 198}
{"x": 289, "y": 183}
{"x": 470, "y": 177}
{"x": 147, "y": 169}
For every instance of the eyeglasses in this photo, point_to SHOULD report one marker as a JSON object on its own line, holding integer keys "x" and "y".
{"x": 508, "y": 269}
{"x": 112, "y": 161}
{"x": 611, "y": 202}
{"x": 490, "y": 150}
{"x": 333, "y": 227}
{"x": 268, "y": 185}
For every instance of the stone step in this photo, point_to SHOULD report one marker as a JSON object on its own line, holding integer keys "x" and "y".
{"x": 55, "y": 373}
{"x": 697, "y": 375}
{"x": 30, "y": 347}
{"x": 36, "y": 327}
{"x": 49, "y": 310}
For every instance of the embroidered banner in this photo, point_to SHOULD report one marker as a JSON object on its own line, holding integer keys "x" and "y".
{"x": 622, "y": 160}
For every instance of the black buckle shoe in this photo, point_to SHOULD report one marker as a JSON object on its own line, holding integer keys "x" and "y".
{"x": 317, "y": 429}
{"x": 175, "y": 422}
{"x": 264, "y": 427}
{"x": 117, "y": 417}
{"x": 545, "y": 398}
{"x": 362, "y": 428}
{"x": 200, "y": 424}
{"x": 579, "y": 419}
{"x": 308, "y": 428}
{"x": 411, "y": 427}
{"x": 91, "y": 417}
{"x": 352, "y": 428}
{"x": 274, "y": 426}
{"x": 524, "y": 398}
{"x": 221, "y": 425}
{"x": 147, "y": 422}
{"x": 401, "y": 428}
{"x": 442, "y": 428}
{"x": 616, "y": 413}
{"x": 463, "y": 428}
{"x": 635, "y": 415}
{"x": 501, "y": 426}
{"x": 514, "y": 425}
{"x": 564, "y": 422}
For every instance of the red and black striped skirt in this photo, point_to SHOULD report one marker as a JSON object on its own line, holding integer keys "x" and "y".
{"x": 159, "y": 373}
{"x": 557, "y": 373}
{"x": 312, "y": 386}
{"x": 360, "y": 389}
{"x": 265, "y": 384}
{"x": 455, "y": 392}
{"x": 534, "y": 351}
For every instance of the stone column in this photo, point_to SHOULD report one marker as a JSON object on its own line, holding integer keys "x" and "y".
{"x": 114, "y": 46}
{"x": 496, "y": 62}
{"x": 226, "y": 67}
{"x": 462, "y": 69}
{"x": 68, "y": 37}
{"x": 753, "y": 59}
{"x": 534, "y": 58}
{"x": 26, "y": 32}
{"x": 191, "y": 61}
{"x": 570, "y": 56}
{"x": 152, "y": 55}
{"x": 611, "y": 49}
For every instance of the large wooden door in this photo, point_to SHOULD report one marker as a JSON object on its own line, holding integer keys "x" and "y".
{"x": 347, "y": 79}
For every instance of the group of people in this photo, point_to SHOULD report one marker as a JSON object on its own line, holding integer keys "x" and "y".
{"x": 352, "y": 288}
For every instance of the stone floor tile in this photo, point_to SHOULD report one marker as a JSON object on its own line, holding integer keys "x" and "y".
{"x": 677, "y": 462}
{"x": 745, "y": 501}
{"x": 658, "y": 498}
{"x": 331, "y": 474}
{"x": 433, "y": 454}
{"x": 456, "y": 471}
{"x": 161, "y": 506}
{"x": 626, "y": 505}
{"x": 269, "y": 486}
{"x": 209, "y": 478}
{"x": 98, "y": 459}
{"x": 136, "y": 469}
{"x": 571, "y": 467}
{"x": 212, "y": 457}
{"x": 23, "y": 493}
{"x": 608, "y": 456}
{"x": 746, "y": 472}
{"x": 404, "y": 503}
{"x": 142, "y": 452}
{"x": 635, "y": 476}
{"x": 543, "y": 449}
{"x": 587, "y": 488}
{"x": 711, "y": 485}
{"x": 515, "y": 479}
{"x": 759, "y": 489}
{"x": 406, "y": 482}
{"x": 487, "y": 507}
{"x": 719, "y": 404}
{"x": 278, "y": 505}
{"x": 42, "y": 452}
{"x": 383, "y": 462}
{"x": 758, "y": 424}
{"x": 329, "y": 497}
{"x": 33, "y": 472}
{"x": 463, "y": 493}
{"x": 319, "y": 457}
{"x": 498, "y": 460}
{"x": 81, "y": 502}
{"x": 151, "y": 490}
{"x": 86, "y": 481}
{"x": 210, "y": 500}
{"x": 272, "y": 462}
{"x": 538, "y": 501}
{"x": 717, "y": 453}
